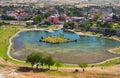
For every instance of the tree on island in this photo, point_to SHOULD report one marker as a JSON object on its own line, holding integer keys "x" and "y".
{"x": 58, "y": 64}
{"x": 83, "y": 65}
{"x": 34, "y": 58}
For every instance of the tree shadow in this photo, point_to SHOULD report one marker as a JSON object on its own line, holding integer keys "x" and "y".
{"x": 118, "y": 63}
{"x": 76, "y": 71}
{"x": 28, "y": 69}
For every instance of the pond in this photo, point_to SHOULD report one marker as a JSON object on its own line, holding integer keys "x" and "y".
{"x": 86, "y": 49}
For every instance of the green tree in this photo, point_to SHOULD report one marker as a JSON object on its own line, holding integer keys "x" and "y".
{"x": 46, "y": 15}
{"x": 34, "y": 58}
{"x": 38, "y": 19}
{"x": 83, "y": 26}
{"x": 71, "y": 24}
{"x": 88, "y": 27}
{"x": 97, "y": 16}
{"x": 83, "y": 65}
{"x": 42, "y": 62}
{"x": 111, "y": 25}
{"x": 91, "y": 23}
{"x": 76, "y": 25}
{"x": 66, "y": 25}
{"x": 1, "y": 24}
{"x": 28, "y": 24}
{"x": 119, "y": 23}
{"x": 58, "y": 64}
{"x": 70, "y": 14}
{"x": 6, "y": 17}
{"x": 99, "y": 23}
{"x": 47, "y": 22}
{"x": 49, "y": 61}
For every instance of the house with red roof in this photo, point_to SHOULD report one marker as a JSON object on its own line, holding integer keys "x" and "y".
{"x": 53, "y": 19}
{"x": 63, "y": 17}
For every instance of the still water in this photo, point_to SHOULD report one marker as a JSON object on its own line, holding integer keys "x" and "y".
{"x": 86, "y": 49}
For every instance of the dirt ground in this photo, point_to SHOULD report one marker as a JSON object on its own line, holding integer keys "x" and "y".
{"x": 9, "y": 70}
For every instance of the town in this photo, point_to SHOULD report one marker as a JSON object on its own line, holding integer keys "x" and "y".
{"x": 91, "y": 17}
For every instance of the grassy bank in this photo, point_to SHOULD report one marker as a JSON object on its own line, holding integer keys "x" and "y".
{"x": 110, "y": 62}
{"x": 6, "y": 32}
{"x": 117, "y": 50}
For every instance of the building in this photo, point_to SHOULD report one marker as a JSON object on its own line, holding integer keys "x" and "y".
{"x": 54, "y": 19}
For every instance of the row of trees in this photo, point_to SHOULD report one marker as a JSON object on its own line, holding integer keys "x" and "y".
{"x": 6, "y": 17}
{"x": 39, "y": 18}
{"x": 88, "y": 24}
{"x": 110, "y": 28}
{"x": 37, "y": 59}
{"x": 85, "y": 26}
{"x": 3, "y": 23}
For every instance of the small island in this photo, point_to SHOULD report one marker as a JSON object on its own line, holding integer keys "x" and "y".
{"x": 56, "y": 39}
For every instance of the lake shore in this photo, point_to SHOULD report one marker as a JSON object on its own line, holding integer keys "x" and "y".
{"x": 34, "y": 29}
{"x": 22, "y": 30}
{"x": 112, "y": 38}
